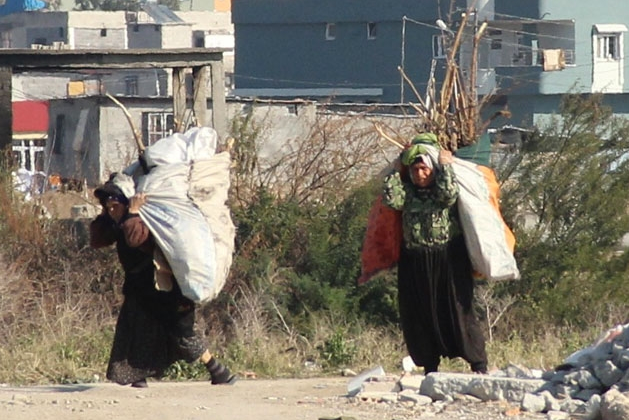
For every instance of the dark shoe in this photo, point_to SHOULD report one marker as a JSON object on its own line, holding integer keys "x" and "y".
{"x": 220, "y": 374}
{"x": 223, "y": 376}
{"x": 479, "y": 367}
{"x": 140, "y": 384}
{"x": 228, "y": 379}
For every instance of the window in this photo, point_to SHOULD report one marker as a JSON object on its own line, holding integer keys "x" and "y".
{"x": 607, "y": 46}
{"x": 156, "y": 125}
{"x": 371, "y": 30}
{"x": 330, "y": 31}
{"x": 136, "y": 28}
{"x": 103, "y": 32}
{"x": 439, "y": 46}
{"x": 58, "y": 136}
{"x": 61, "y": 32}
{"x": 29, "y": 154}
{"x": 131, "y": 85}
{"x": 40, "y": 41}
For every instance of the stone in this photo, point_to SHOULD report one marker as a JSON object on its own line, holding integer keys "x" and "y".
{"x": 355, "y": 385}
{"x": 623, "y": 360}
{"x": 557, "y": 415}
{"x": 571, "y": 406}
{"x": 413, "y": 382}
{"x": 485, "y": 387}
{"x": 586, "y": 394}
{"x": 614, "y": 405}
{"x": 372, "y": 386}
{"x": 533, "y": 403}
{"x": 551, "y": 403}
{"x": 584, "y": 378}
{"x": 592, "y": 408}
{"x": 607, "y": 372}
{"x": 410, "y": 395}
{"x": 566, "y": 391}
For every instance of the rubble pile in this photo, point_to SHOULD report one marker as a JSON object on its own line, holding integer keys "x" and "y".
{"x": 592, "y": 383}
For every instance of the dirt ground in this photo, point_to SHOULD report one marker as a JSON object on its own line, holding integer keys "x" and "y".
{"x": 288, "y": 399}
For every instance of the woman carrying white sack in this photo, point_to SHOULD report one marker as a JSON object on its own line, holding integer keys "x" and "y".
{"x": 154, "y": 211}
{"x": 155, "y": 328}
{"x": 435, "y": 282}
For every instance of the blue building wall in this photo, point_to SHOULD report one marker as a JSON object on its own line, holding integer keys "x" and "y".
{"x": 282, "y": 43}
{"x": 18, "y": 6}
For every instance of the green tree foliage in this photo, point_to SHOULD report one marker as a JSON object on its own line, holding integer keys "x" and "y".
{"x": 565, "y": 192}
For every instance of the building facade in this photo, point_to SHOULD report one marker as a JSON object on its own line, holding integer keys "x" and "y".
{"x": 530, "y": 54}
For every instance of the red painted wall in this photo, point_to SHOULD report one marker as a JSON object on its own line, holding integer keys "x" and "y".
{"x": 30, "y": 116}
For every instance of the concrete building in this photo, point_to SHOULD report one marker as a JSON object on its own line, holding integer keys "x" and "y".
{"x": 530, "y": 54}
{"x": 153, "y": 27}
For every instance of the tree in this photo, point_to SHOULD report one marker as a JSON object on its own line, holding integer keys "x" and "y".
{"x": 564, "y": 192}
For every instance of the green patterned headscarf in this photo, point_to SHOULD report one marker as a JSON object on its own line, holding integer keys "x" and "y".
{"x": 418, "y": 147}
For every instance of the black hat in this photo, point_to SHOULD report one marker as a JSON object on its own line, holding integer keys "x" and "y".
{"x": 109, "y": 190}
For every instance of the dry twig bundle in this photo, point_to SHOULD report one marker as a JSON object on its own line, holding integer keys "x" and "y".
{"x": 454, "y": 113}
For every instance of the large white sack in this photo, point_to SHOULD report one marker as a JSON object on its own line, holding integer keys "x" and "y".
{"x": 180, "y": 230}
{"x": 186, "y": 209}
{"x": 209, "y": 185}
{"x": 483, "y": 227}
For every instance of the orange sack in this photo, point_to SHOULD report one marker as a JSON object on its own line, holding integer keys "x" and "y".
{"x": 383, "y": 238}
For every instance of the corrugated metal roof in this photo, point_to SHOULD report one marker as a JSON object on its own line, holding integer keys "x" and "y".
{"x": 160, "y": 13}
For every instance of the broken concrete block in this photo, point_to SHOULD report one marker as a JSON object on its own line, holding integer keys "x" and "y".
{"x": 413, "y": 382}
{"x": 355, "y": 385}
{"x": 607, "y": 372}
{"x": 413, "y": 396}
{"x": 533, "y": 403}
{"x": 614, "y": 405}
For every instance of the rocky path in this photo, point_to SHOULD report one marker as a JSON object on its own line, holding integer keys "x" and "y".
{"x": 288, "y": 399}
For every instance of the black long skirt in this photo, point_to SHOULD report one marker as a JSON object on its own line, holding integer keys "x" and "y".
{"x": 154, "y": 329}
{"x": 435, "y": 295}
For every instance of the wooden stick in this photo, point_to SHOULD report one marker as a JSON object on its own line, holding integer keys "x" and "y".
{"x": 386, "y": 136}
{"x": 136, "y": 133}
{"x": 419, "y": 98}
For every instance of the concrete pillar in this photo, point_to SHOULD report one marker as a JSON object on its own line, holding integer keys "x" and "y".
{"x": 179, "y": 98}
{"x": 199, "y": 104}
{"x": 219, "y": 108}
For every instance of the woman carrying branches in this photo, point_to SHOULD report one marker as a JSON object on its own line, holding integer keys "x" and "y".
{"x": 435, "y": 282}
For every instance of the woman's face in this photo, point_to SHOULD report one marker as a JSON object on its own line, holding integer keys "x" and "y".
{"x": 115, "y": 209}
{"x": 421, "y": 175}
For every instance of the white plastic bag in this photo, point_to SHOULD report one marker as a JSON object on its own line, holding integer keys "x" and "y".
{"x": 489, "y": 241}
{"x": 186, "y": 209}
{"x": 487, "y": 237}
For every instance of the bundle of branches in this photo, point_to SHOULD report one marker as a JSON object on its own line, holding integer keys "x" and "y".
{"x": 453, "y": 114}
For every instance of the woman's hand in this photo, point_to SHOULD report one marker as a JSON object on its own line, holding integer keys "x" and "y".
{"x": 445, "y": 157}
{"x": 136, "y": 202}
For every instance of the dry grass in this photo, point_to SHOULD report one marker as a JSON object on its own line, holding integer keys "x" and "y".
{"x": 57, "y": 312}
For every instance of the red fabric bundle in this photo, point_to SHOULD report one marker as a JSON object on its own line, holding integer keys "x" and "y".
{"x": 381, "y": 246}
